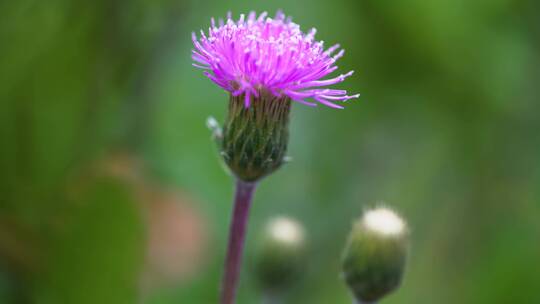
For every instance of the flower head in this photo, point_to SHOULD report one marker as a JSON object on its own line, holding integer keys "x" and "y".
{"x": 262, "y": 55}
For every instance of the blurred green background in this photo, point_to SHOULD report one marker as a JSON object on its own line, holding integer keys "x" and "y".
{"x": 111, "y": 190}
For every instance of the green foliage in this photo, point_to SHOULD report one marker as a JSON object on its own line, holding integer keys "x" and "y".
{"x": 99, "y": 252}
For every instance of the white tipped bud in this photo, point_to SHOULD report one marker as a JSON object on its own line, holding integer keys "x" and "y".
{"x": 374, "y": 260}
{"x": 280, "y": 259}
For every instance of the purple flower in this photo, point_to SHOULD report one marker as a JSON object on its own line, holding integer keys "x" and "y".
{"x": 262, "y": 55}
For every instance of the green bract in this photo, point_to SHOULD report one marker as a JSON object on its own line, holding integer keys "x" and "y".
{"x": 255, "y": 138}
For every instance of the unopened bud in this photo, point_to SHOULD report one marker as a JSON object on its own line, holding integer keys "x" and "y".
{"x": 280, "y": 259}
{"x": 375, "y": 256}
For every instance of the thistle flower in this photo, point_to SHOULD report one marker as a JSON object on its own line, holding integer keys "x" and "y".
{"x": 265, "y": 63}
{"x": 374, "y": 260}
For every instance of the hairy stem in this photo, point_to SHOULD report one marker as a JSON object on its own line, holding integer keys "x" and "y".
{"x": 237, "y": 233}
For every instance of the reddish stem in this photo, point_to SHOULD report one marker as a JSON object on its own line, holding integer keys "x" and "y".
{"x": 237, "y": 233}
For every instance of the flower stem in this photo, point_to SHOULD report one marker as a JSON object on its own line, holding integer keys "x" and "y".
{"x": 237, "y": 233}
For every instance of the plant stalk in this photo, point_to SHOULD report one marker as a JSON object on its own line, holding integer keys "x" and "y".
{"x": 237, "y": 233}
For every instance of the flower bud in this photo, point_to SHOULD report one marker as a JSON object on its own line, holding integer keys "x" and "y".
{"x": 375, "y": 256}
{"x": 255, "y": 135}
{"x": 280, "y": 259}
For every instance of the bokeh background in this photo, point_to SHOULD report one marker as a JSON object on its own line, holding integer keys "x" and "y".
{"x": 111, "y": 190}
